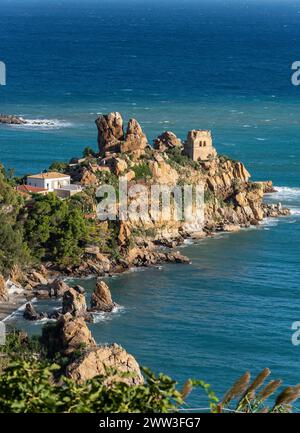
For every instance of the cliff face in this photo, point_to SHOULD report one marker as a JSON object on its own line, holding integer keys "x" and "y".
{"x": 231, "y": 199}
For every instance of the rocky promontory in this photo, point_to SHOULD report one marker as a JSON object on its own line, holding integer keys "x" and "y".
{"x": 231, "y": 202}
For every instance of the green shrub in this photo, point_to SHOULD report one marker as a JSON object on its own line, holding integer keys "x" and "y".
{"x": 142, "y": 171}
{"x": 61, "y": 167}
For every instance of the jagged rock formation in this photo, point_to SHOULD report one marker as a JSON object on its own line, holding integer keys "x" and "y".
{"x": 110, "y": 132}
{"x": 167, "y": 141}
{"x": 111, "y": 137}
{"x": 135, "y": 140}
{"x": 101, "y": 298}
{"x": 74, "y": 303}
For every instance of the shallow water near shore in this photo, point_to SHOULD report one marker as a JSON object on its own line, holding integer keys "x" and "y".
{"x": 232, "y": 309}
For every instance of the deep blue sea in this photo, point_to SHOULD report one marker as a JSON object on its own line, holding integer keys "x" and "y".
{"x": 176, "y": 65}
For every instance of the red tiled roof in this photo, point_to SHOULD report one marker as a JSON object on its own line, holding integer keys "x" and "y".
{"x": 30, "y": 189}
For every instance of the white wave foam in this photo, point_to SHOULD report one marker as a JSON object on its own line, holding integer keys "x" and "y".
{"x": 295, "y": 211}
{"x": 269, "y": 222}
{"x": 286, "y": 193}
{"x": 100, "y": 317}
{"x": 42, "y": 124}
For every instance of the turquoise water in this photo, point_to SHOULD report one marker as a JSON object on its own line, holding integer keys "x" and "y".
{"x": 180, "y": 65}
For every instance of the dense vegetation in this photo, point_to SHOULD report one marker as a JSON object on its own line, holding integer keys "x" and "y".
{"x": 55, "y": 229}
{"x": 13, "y": 248}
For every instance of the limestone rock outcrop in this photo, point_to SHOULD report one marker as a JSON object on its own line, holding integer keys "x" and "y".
{"x": 167, "y": 141}
{"x": 101, "y": 298}
{"x": 96, "y": 361}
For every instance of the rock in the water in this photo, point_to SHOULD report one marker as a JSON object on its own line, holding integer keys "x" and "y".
{"x": 167, "y": 141}
{"x": 94, "y": 362}
{"x": 68, "y": 335}
{"x": 11, "y": 120}
{"x": 176, "y": 257}
{"x": 30, "y": 313}
{"x": 3, "y": 290}
{"x": 110, "y": 132}
{"x": 275, "y": 210}
{"x": 101, "y": 298}
{"x": 74, "y": 303}
{"x": 58, "y": 288}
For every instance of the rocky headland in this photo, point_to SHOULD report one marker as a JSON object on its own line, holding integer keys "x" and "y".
{"x": 232, "y": 202}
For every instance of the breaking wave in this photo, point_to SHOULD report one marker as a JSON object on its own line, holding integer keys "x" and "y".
{"x": 42, "y": 124}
